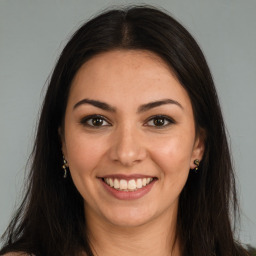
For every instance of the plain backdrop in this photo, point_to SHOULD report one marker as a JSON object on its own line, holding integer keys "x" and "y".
{"x": 32, "y": 34}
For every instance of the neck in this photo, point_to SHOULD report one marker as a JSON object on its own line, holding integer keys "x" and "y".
{"x": 155, "y": 238}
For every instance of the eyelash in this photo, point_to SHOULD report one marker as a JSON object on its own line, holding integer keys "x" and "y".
{"x": 85, "y": 121}
{"x": 164, "y": 118}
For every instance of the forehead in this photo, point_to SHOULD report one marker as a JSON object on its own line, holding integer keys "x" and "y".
{"x": 134, "y": 75}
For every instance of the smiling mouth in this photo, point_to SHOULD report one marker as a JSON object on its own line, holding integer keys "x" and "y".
{"x": 127, "y": 185}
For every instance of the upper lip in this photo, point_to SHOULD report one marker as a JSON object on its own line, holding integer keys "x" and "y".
{"x": 126, "y": 177}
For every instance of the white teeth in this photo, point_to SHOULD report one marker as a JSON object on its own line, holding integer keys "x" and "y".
{"x": 139, "y": 183}
{"x": 130, "y": 185}
{"x": 111, "y": 183}
{"x": 116, "y": 183}
{"x": 123, "y": 184}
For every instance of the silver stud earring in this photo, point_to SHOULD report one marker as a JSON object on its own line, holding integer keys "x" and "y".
{"x": 196, "y": 162}
{"x": 65, "y": 167}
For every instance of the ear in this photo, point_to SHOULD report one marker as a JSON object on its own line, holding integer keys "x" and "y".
{"x": 62, "y": 140}
{"x": 199, "y": 147}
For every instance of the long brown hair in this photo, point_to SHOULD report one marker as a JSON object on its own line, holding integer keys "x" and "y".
{"x": 51, "y": 221}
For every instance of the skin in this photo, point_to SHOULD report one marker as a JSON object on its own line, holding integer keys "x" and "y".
{"x": 128, "y": 142}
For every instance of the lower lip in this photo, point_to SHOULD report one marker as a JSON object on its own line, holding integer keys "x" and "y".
{"x": 129, "y": 195}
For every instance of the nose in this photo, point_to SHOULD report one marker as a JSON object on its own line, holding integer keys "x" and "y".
{"x": 127, "y": 146}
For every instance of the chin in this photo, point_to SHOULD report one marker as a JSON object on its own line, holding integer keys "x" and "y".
{"x": 129, "y": 217}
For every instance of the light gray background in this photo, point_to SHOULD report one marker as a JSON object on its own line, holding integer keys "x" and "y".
{"x": 32, "y": 34}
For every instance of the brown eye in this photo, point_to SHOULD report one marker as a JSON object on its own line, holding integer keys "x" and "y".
{"x": 95, "y": 121}
{"x": 159, "y": 121}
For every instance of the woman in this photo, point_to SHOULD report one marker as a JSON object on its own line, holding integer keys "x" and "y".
{"x": 131, "y": 156}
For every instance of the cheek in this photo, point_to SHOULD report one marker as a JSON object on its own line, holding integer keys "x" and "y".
{"x": 83, "y": 153}
{"x": 173, "y": 160}
{"x": 173, "y": 154}
{"x": 83, "y": 158}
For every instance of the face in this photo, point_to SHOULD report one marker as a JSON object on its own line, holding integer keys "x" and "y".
{"x": 129, "y": 137}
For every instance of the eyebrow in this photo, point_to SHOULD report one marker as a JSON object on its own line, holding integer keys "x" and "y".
{"x": 95, "y": 103}
{"x": 154, "y": 104}
{"x": 142, "y": 108}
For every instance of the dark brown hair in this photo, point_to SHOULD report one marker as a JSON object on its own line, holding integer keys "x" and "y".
{"x": 50, "y": 220}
